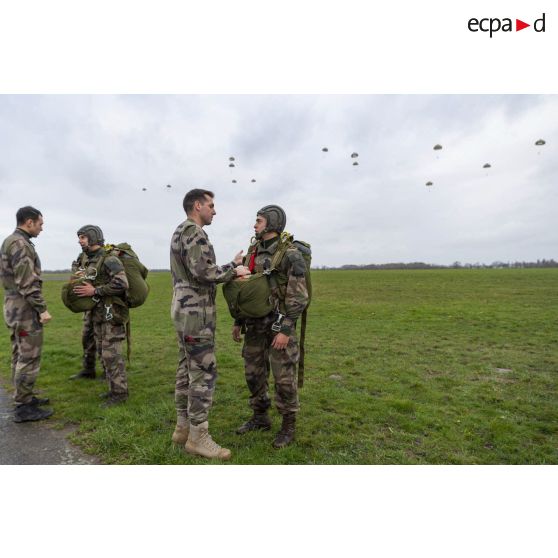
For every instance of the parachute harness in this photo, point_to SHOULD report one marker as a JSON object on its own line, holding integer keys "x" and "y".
{"x": 108, "y": 313}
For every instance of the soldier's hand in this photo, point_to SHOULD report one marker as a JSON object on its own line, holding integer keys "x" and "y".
{"x": 238, "y": 258}
{"x": 241, "y": 271}
{"x": 45, "y": 317}
{"x": 280, "y": 342}
{"x": 236, "y": 334}
{"x": 85, "y": 289}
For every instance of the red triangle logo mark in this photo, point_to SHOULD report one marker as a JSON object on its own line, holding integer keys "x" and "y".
{"x": 519, "y": 25}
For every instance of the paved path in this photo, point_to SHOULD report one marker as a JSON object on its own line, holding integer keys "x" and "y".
{"x": 35, "y": 443}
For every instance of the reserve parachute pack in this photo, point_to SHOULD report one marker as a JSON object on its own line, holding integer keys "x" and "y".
{"x": 136, "y": 273}
{"x": 252, "y": 297}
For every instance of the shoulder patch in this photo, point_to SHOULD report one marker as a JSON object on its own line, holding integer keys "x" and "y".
{"x": 297, "y": 262}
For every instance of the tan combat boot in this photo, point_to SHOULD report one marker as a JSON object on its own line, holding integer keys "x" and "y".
{"x": 200, "y": 443}
{"x": 180, "y": 434}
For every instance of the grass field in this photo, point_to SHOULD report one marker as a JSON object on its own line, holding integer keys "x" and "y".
{"x": 402, "y": 367}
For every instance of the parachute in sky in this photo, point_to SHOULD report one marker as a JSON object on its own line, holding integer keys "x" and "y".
{"x": 325, "y": 149}
{"x": 437, "y": 147}
{"x": 231, "y": 165}
{"x": 231, "y": 158}
{"x": 355, "y": 164}
{"x": 354, "y": 155}
{"x": 486, "y": 166}
{"x": 539, "y": 143}
{"x": 430, "y": 183}
{"x": 169, "y": 186}
{"x": 253, "y": 180}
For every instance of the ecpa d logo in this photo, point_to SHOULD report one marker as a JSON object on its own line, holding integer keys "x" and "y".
{"x": 492, "y": 25}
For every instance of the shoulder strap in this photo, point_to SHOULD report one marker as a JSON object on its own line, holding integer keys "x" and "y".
{"x": 285, "y": 240}
{"x": 250, "y": 258}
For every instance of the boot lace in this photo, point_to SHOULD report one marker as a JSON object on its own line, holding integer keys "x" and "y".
{"x": 208, "y": 442}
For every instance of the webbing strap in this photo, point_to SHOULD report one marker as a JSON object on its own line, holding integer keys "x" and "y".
{"x": 300, "y": 382}
{"x": 128, "y": 340}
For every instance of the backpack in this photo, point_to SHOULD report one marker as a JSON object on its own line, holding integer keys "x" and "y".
{"x": 136, "y": 272}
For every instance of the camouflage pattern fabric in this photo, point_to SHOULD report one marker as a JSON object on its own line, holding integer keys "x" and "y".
{"x": 109, "y": 316}
{"x": 291, "y": 294}
{"x": 259, "y": 357}
{"x": 20, "y": 274}
{"x": 195, "y": 276}
{"x": 90, "y": 351}
{"x": 110, "y": 337}
{"x": 291, "y": 297}
{"x": 196, "y": 375}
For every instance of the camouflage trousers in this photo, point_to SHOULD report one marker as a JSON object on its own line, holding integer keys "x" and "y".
{"x": 195, "y": 378}
{"x": 260, "y": 358}
{"x": 26, "y": 336}
{"x": 90, "y": 351}
{"x": 109, "y": 338}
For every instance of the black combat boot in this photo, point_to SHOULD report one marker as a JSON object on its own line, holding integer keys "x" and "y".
{"x": 114, "y": 399}
{"x": 84, "y": 374}
{"x": 287, "y": 433}
{"x": 259, "y": 421}
{"x": 39, "y": 401}
{"x": 29, "y": 412}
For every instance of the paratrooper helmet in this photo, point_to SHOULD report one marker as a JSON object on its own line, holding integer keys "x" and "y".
{"x": 275, "y": 217}
{"x": 93, "y": 233}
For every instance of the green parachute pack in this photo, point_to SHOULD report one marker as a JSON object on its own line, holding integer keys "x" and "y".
{"x": 136, "y": 273}
{"x": 252, "y": 297}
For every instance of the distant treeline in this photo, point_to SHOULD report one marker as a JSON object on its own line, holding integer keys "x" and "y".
{"x": 412, "y": 265}
{"x": 454, "y": 265}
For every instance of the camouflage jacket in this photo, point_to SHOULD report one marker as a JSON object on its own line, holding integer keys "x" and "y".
{"x": 291, "y": 296}
{"x": 192, "y": 262}
{"x": 80, "y": 262}
{"x": 20, "y": 269}
{"x": 108, "y": 281}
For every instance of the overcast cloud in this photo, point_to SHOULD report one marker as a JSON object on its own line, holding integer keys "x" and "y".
{"x": 85, "y": 159}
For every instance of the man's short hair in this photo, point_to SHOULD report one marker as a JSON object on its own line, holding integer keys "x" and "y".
{"x": 197, "y": 194}
{"x": 27, "y": 212}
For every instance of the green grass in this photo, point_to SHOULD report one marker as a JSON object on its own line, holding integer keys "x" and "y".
{"x": 429, "y": 366}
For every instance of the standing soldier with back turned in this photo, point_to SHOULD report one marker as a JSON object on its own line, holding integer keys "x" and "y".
{"x": 25, "y": 311}
{"x": 195, "y": 276}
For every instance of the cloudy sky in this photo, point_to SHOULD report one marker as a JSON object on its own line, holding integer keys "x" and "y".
{"x": 85, "y": 159}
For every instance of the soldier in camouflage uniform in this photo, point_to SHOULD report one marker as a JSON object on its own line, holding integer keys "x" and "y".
{"x": 266, "y": 348}
{"x": 195, "y": 276}
{"x": 90, "y": 349}
{"x": 110, "y": 315}
{"x": 25, "y": 311}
